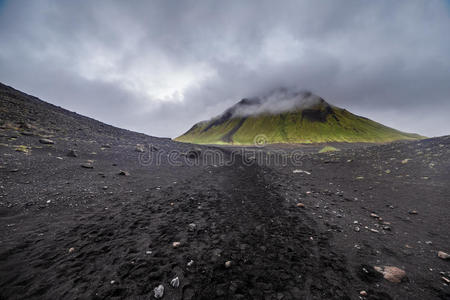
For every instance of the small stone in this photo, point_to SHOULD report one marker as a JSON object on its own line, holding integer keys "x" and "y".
{"x": 443, "y": 255}
{"x": 49, "y": 201}
{"x": 413, "y": 212}
{"x": 374, "y": 230}
{"x": 175, "y": 282}
{"x": 190, "y": 263}
{"x": 72, "y": 153}
{"x": 357, "y": 229}
{"x": 112, "y": 282}
{"x": 429, "y": 242}
{"x": 192, "y": 226}
{"x": 301, "y": 205}
{"x": 363, "y": 293}
{"x": 124, "y": 173}
{"x": 176, "y": 244}
{"x": 148, "y": 252}
{"x": 392, "y": 274}
{"x": 374, "y": 216}
{"x": 158, "y": 291}
{"x": 228, "y": 264}
{"x": 46, "y": 141}
{"x": 301, "y": 171}
{"x": 105, "y": 187}
{"x": 71, "y": 249}
{"x": 139, "y": 148}
{"x": 87, "y": 166}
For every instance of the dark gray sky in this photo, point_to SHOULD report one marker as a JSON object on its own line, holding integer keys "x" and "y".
{"x": 160, "y": 66}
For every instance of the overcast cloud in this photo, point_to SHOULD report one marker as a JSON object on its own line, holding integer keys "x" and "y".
{"x": 158, "y": 67}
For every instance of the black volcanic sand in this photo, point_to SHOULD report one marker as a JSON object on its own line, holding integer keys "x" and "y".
{"x": 69, "y": 232}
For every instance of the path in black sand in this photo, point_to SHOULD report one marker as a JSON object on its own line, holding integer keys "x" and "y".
{"x": 274, "y": 248}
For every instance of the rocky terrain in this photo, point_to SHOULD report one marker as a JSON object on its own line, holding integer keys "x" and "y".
{"x": 90, "y": 211}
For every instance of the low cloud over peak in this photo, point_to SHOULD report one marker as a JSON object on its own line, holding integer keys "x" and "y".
{"x": 276, "y": 101}
{"x": 158, "y": 67}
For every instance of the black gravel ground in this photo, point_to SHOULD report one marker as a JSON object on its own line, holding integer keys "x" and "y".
{"x": 74, "y": 232}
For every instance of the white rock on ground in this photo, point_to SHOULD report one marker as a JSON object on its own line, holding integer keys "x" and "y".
{"x": 159, "y": 291}
{"x": 175, "y": 282}
{"x": 392, "y": 274}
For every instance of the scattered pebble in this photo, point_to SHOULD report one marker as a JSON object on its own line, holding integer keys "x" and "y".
{"x": 392, "y": 274}
{"x": 87, "y": 166}
{"x": 176, "y": 244}
{"x": 413, "y": 212}
{"x": 46, "y": 141}
{"x": 148, "y": 252}
{"x": 124, "y": 173}
{"x": 175, "y": 282}
{"x": 158, "y": 291}
{"x": 374, "y": 216}
{"x": 192, "y": 226}
{"x": 300, "y": 205}
{"x": 190, "y": 263}
{"x": 363, "y": 293}
{"x": 301, "y": 171}
{"x": 228, "y": 264}
{"x": 139, "y": 148}
{"x": 443, "y": 255}
{"x": 71, "y": 249}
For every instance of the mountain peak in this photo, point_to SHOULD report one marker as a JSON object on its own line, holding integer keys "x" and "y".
{"x": 289, "y": 116}
{"x": 277, "y": 101}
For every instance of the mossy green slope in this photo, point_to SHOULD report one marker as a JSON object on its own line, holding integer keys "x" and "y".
{"x": 338, "y": 125}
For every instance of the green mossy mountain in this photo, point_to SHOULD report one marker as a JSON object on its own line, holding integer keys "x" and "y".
{"x": 314, "y": 122}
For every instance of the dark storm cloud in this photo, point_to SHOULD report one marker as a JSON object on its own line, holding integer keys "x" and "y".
{"x": 160, "y": 66}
